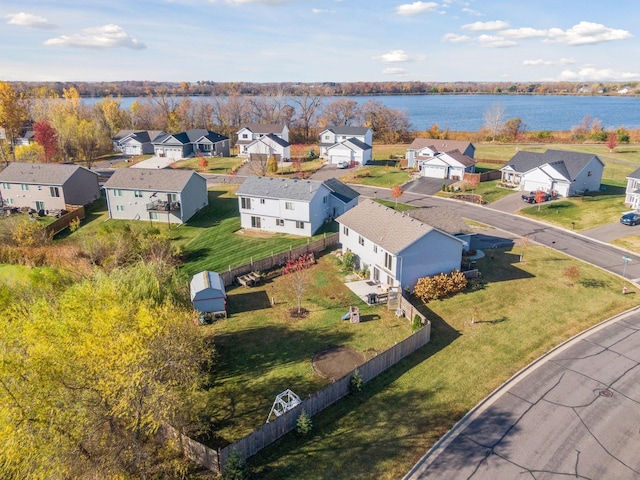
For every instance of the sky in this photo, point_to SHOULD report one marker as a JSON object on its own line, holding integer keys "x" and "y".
{"x": 320, "y": 40}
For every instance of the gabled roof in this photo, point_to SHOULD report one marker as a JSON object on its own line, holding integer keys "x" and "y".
{"x": 565, "y": 162}
{"x": 342, "y": 192}
{"x": 264, "y": 128}
{"x": 635, "y": 174}
{"x": 204, "y": 281}
{"x": 39, "y": 173}
{"x": 347, "y": 130}
{"x": 352, "y": 143}
{"x": 279, "y": 188}
{"x": 460, "y": 157}
{"x": 389, "y": 229}
{"x": 191, "y": 136}
{"x": 277, "y": 140}
{"x": 160, "y": 180}
{"x": 142, "y": 136}
{"x": 442, "y": 218}
{"x": 440, "y": 145}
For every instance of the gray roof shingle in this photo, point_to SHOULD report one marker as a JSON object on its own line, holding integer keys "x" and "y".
{"x": 39, "y": 173}
{"x": 160, "y": 180}
{"x": 389, "y": 229}
{"x": 568, "y": 163}
{"x": 348, "y": 130}
{"x": 265, "y": 128}
{"x": 634, "y": 174}
{"x": 342, "y": 192}
{"x": 282, "y": 188}
{"x": 442, "y": 218}
{"x": 440, "y": 145}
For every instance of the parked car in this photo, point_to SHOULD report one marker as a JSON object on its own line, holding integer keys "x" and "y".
{"x": 630, "y": 219}
{"x": 343, "y": 165}
{"x": 531, "y": 197}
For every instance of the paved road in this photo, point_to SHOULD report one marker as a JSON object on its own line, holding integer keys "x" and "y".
{"x": 572, "y": 414}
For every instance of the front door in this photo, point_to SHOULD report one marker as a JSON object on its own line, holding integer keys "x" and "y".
{"x": 376, "y": 274}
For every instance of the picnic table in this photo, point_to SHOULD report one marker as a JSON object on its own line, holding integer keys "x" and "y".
{"x": 249, "y": 279}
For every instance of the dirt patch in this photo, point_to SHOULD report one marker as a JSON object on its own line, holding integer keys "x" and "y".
{"x": 295, "y": 313}
{"x": 336, "y": 362}
{"x": 254, "y": 233}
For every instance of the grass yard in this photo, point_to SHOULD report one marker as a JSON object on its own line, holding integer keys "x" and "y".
{"x": 216, "y": 165}
{"x": 389, "y": 152}
{"x": 522, "y": 312}
{"x": 262, "y": 351}
{"x": 581, "y": 213}
{"x": 631, "y": 243}
{"x": 490, "y": 191}
{"x": 377, "y": 175}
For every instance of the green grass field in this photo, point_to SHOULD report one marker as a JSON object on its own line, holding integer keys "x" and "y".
{"x": 522, "y": 311}
{"x": 221, "y": 166}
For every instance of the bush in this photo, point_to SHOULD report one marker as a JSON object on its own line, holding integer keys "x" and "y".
{"x": 236, "y": 468}
{"x": 417, "y": 323}
{"x": 356, "y": 384}
{"x": 349, "y": 260}
{"x": 440, "y": 286}
{"x": 304, "y": 424}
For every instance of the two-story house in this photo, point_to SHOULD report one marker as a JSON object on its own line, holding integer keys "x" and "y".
{"x": 298, "y": 207}
{"x": 163, "y": 195}
{"x": 192, "y": 142}
{"x": 451, "y": 165}
{"x": 632, "y": 193}
{"x": 254, "y": 131}
{"x": 47, "y": 186}
{"x": 346, "y": 144}
{"x": 396, "y": 248}
{"x": 268, "y": 146}
{"x": 424, "y": 149}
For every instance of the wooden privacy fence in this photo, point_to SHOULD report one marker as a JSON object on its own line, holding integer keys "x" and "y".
{"x": 65, "y": 220}
{"x": 279, "y": 259}
{"x": 265, "y": 435}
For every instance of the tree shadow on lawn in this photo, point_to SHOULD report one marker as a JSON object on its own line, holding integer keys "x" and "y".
{"x": 216, "y": 211}
{"x": 357, "y": 450}
{"x": 607, "y": 190}
{"x": 248, "y": 302}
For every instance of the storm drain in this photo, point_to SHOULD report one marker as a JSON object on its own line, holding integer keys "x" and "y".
{"x": 606, "y": 393}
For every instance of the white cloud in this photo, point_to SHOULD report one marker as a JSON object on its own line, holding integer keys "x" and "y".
{"x": 416, "y": 8}
{"x": 470, "y": 11}
{"x": 394, "y": 56}
{"x": 394, "y": 71}
{"x": 455, "y": 38}
{"x": 106, "y": 36}
{"x": 524, "y": 32}
{"x": 317, "y": 11}
{"x": 495, "y": 41}
{"x": 539, "y": 62}
{"x": 485, "y": 26}
{"x": 594, "y": 74}
{"x": 585, "y": 33}
{"x": 29, "y": 20}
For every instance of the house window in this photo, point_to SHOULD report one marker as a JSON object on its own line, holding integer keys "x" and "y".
{"x": 345, "y": 231}
{"x": 288, "y": 205}
{"x": 299, "y": 224}
{"x": 119, "y": 208}
{"x": 280, "y": 222}
{"x": 325, "y": 199}
{"x": 6, "y": 186}
{"x": 8, "y": 201}
{"x": 262, "y": 200}
{"x": 590, "y": 173}
{"x": 55, "y": 192}
{"x": 388, "y": 260}
{"x": 24, "y": 186}
{"x": 117, "y": 193}
{"x": 245, "y": 203}
{"x": 39, "y": 206}
{"x": 255, "y": 222}
{"x": 137, "y": 194}
{"x": 327, "y": 137}
{"x": 245, "y": 136}
{"x": 375, "y": 248}
{"x": 360, "y": 239}
{"x": 153, "y": 215}
{"x": 173, "y": 197}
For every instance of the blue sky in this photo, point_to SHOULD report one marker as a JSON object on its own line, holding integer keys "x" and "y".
{"x": 320, "y": 40}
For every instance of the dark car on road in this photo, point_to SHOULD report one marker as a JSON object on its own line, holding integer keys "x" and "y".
{"x": 630, "y": 219}
{"x": 531, "y": 197}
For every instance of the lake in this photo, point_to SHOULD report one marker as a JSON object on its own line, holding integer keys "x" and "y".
{"x": 466, "y": 112}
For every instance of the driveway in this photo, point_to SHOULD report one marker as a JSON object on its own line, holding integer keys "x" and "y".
{"x": 154, "y": 162}
{"x": 426, "y": 185}
{"x": 330, "y": 171}
{"x": 573, "y": 413}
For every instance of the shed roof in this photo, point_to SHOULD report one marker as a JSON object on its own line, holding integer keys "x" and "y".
{"x": 161, "y": 180}
{"x": 39, "y": 173}
{"x": 204, "y": 281}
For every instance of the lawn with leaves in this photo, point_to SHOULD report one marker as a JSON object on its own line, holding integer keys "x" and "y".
{"x": 379, "y": 174}
{"x": 524, "y": 309}
{"x": 216, "y": 165}
{"x": 262, "y": 351}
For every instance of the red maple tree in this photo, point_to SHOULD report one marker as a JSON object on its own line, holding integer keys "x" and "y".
{"x": 47, "y": 137}
{"x": 396, "y": 192}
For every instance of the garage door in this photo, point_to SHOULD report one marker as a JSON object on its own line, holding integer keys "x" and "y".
{"x": 174, "y": 152}
{"x": 434, "y": 172}
{"x": 335, "y": 159}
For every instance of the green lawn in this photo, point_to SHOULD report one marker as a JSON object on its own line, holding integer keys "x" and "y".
{"x": 523, "y": 311}
{"x": 377, "y": 175}
{"x": 490, "y": 191}
{"x": 217, "y": 165}
{"x": 582, "y": 213}
{"x": 632, "y": 242}
{"x": 261, "y": 350}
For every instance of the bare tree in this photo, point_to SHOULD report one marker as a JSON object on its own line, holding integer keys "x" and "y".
{"x": 309, "y": 101}
{"x": 494, "y": 120}
{"x": 341, "y": 112}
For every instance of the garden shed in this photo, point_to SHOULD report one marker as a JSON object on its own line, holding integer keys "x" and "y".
{"x": 208, "y": 294}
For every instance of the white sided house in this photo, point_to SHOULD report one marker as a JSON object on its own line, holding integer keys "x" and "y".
{"x": 423, "y": 149}
{"x": 345, "y": 143}
{"x": 135, "y": 142}
{"x": 554, "y": 171}
{"x": 197, "y": 141}
{"x": 396, "y": 248}
{"x": 632, "y": 193}
{"x": 452, "y": 165}
{"x": 163, "y": 195}
{"x": 268, "y": 145}
{"x": 297, "y": 207}
{"x": 254, "y": 131}
{"x": 47, "y": 186}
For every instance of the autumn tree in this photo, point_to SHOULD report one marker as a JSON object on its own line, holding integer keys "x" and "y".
{"x": 296, "y": 276}
{"x": 90, "y": 142}
{"x": 272, "y": 164}
{"x": 14, "y": 108}
{"x": 32, "y": 153}
{"x": 341, "y": 112}
{"x": 612, "y": 142}
{"x": 89, "y": 377}
{"x": 47, "y": 137}
{"x": 513, "y": 129}
{"x": 396, "y": 192}
{"x": 389, "y": 125}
